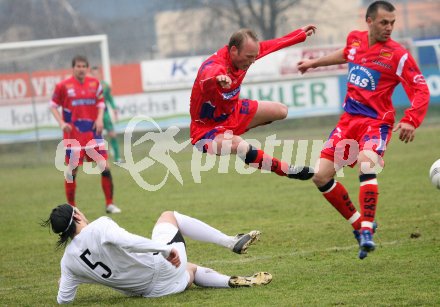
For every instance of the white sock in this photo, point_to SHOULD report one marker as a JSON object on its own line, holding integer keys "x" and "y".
{"x": 197, "y": 230}
{"x": 206, "y": 277}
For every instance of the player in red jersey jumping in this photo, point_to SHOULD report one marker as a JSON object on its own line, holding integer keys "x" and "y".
{"x": 377, "y": 64}
{"x": 82, "y": 103}
{"x": 219, "y": 116}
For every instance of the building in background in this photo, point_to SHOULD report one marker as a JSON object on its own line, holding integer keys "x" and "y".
{"x": 141, "y": 30}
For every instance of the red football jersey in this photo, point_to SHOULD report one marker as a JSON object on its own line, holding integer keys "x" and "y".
{"x": 374, "y": 72}
{"x": 212, "y": 104}
{"x": 80, "y": 103}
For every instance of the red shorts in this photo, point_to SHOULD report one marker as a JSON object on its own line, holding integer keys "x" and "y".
{"x": 237, "y": 122}
{"x": 353, "y": 134}
{"x": 91, "y": 155}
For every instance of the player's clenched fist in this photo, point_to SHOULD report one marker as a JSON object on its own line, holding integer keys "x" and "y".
{"x": 174, "y": 258}
{"x": 224, "y": 81}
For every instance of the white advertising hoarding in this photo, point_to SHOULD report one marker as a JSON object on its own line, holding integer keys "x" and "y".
{"x": 181, "y": 72}
{"x": 304, "y": 97}
{"x": 167, "y": 87}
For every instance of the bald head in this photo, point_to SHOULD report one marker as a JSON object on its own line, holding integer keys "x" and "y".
{"x": 243, "y": 48}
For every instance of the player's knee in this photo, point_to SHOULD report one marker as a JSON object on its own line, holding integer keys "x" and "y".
{"x": 167, "y": 215}
{"x": 226, "y": 146}
{"x": 276, "y": 111}
{"x": 191, "y": 269}
{"x": 320, "y": 180}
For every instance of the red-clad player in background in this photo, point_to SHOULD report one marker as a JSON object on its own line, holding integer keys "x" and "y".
{"x": 82, "y": 103}
{"x": 377, "y": 64}
{"x": 219, "y": 116}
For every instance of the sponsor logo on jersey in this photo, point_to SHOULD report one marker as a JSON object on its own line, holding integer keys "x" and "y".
{"x": 231, "y": 94}
{"x": 351, "y": 54}
{"x": 71, "y": 92}
{"x": 387, "y": 54}
{"x": 387, "y": 66}
{"x": 83, "y": 102}
{"x": 356, "y": 43}
{"x": 363, "y": 77}
{"x": 92, "y": 84}
{"x": 419, "y": 79}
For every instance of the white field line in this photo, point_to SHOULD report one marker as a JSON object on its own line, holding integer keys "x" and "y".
{"x": 296, "y": 253}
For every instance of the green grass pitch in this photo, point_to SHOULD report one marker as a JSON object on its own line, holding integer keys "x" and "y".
{"x": 305, "y": 244}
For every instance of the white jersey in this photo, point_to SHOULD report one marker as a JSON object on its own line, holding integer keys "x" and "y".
{"x": 107, "y": 254}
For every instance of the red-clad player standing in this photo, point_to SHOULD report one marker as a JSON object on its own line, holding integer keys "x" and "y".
{"x": 219, "y": 116}
{"x": 377, "y": 64}
{"x": 82, "y": 103}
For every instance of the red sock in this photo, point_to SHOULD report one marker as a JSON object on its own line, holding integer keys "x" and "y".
{"x": 368, "y": 195}
{"x": 70, "y": 188}
{"x": 107, "y": 186}
{"x": 257, "y": 158}
{"x": 337, "y": 195}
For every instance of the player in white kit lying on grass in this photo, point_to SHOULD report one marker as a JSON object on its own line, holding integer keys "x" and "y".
{"x": 102, "y": 252}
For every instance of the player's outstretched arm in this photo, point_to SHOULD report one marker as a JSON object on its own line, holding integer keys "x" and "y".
{"x": 334, "y": 58}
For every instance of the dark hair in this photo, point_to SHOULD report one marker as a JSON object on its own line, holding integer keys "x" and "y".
{"x": 240, "y": 36}
{"x": 94, "y": 68}
{"x": 79, "y": 58}
{"x": 62, "y": 222}
{"x": 376, "y": 5}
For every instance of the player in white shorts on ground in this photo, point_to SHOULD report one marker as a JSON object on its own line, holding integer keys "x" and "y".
{"x": 102, "y": 252}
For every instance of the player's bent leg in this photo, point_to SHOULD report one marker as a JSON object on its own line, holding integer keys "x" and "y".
{"x": 167, "y": 217}
{"x": 259, "y": 159}
{"x": 226, "y": 144}
{"x": 324, "y": 171}
{"x": 268, "y": 111}
{"x": 200, "y": 231}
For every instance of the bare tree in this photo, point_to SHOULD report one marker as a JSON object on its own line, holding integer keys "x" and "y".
{"x": 265, "y": 16}
{"x": 44, "y": 19}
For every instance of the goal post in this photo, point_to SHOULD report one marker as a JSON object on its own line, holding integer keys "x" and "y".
{"x": 67, "y": 41}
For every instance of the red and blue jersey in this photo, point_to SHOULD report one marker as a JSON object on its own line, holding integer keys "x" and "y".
{"x": 374, "y": 72}
{"x": 211, "y": 104}
{"x": 80, "y": 103}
